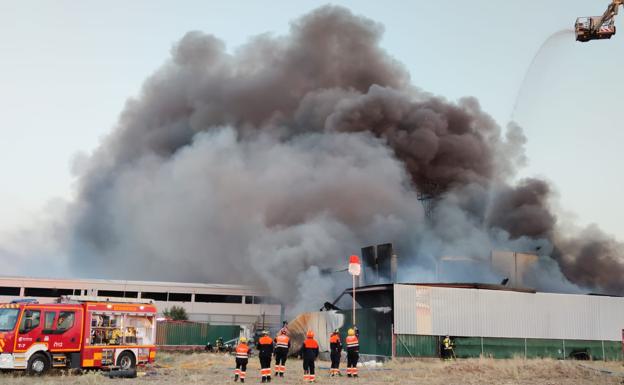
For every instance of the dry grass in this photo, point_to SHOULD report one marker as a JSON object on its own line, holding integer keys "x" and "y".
{"x": 213, "y": 369}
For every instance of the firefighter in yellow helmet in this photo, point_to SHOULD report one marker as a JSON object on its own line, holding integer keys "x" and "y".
{"x": 353, "y": 353}
{"x": 242, "y": 357}
{"x": 447, "y": 348}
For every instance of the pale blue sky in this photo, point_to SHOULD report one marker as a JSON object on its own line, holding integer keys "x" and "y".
{"x": 67, "y": 68}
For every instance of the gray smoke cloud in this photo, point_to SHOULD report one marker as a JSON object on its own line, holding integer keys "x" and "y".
{"x": 264, "y": 165}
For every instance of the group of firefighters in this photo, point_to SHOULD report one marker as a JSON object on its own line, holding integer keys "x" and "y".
{"x": 268, "y": 347}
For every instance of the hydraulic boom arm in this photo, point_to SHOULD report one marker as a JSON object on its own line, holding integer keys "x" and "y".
{"x": 609, "y": 14}
{"x": 589, "y": 28}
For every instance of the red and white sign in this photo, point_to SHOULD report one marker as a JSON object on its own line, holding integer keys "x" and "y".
{"x": 354, "y": 265}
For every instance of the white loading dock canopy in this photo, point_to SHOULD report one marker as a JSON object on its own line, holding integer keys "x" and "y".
{"x": 427, "y": 310}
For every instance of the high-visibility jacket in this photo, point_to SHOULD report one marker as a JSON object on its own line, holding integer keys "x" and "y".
{"x": 447, "y": 343}
{"x": 265, "y": 346}
{"x": 242, "y": 351}
{"x": 310, "y": 349}
{"x": 335, "y": 345}
{"x": 353, "y": 344}
{"x": 282, "y": 341}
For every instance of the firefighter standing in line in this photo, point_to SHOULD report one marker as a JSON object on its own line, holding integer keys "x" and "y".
{"x": 335, "y": 348}
{"x": 353, "y": 353}
{"x": 309, "y": 353}
{"x": 265, "y": 352}
{"x": 242, "y": 357}
{"x": 282, "y": 345}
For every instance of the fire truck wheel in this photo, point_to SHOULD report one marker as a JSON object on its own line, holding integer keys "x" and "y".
{"x": 126, "y": 360}
{"x": 38, "y": 364}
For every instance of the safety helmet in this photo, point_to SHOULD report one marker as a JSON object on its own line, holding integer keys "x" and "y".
{"x": 265, "y": 332}
{"x": 351, "y": 332}
{"x": 310, "y": 334}
{"x": 336, "y": 331}
{"x": 243, "y": 340}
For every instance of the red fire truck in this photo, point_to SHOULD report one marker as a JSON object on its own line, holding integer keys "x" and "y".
{"x": 76, "y": 332}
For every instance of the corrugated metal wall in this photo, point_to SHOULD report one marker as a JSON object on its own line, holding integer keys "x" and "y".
{"x": 423, "y": 310}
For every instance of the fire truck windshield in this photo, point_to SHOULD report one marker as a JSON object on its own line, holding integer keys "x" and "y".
{"x": 8, "y": 318}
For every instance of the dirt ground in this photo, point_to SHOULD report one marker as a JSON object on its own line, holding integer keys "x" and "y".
{"x": 213, "y": 369}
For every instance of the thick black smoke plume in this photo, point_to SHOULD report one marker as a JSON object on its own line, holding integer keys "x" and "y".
{"x": 264, "y": 165}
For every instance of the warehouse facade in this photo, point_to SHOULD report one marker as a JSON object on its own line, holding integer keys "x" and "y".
{"x": 410, "y": 320}
{"x": 216, "y": 304}
{"x": 506, "y": 323}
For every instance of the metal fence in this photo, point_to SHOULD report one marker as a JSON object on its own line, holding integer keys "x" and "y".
{"x": 470, "y": 347}
{"x": 193, "y": 333}
{"x": 375, "y": 327}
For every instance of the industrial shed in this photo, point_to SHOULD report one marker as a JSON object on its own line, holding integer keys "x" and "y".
{"x": 409, "y": 320}
{"x": 492, "y": 321}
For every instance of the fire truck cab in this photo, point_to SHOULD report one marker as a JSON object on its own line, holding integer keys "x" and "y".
{"x": 76, "y": 332}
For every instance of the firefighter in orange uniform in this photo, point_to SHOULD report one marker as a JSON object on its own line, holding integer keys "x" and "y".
{"x": 242, "y": 357}
{"x": 282, "y": 345}
{"x": 353, "y": 353}
{"x": 309, "y": 353}
{"x": 265, "y": 353}
{"x": 335, "y": 348}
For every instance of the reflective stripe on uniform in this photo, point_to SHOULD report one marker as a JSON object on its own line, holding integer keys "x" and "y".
{"x": 282, "y": 341}
{"x": 242, "y": 351}
{"x": 352, "y": 341}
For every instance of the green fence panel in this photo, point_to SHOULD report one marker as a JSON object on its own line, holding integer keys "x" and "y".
{"x": 613, "y": 350}
{"x": 375, "y": 330}
{"x": 544, "y": 348}
{"x": 183, "y": 333}
{"x": 408, "y": 345}
{"x": 227, "y": 332}
{"x": 466, "y": 347}
{"x": 576, "y": 348}
{"x": 193, "y": 333}
{"x": 471, "y": 347}
{"x": 503, "y": 347}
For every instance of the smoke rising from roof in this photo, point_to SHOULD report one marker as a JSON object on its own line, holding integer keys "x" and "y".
{"x": 262, "y": 165}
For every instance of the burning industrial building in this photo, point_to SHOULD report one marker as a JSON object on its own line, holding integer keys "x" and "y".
{"x": 267, "y": 164}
